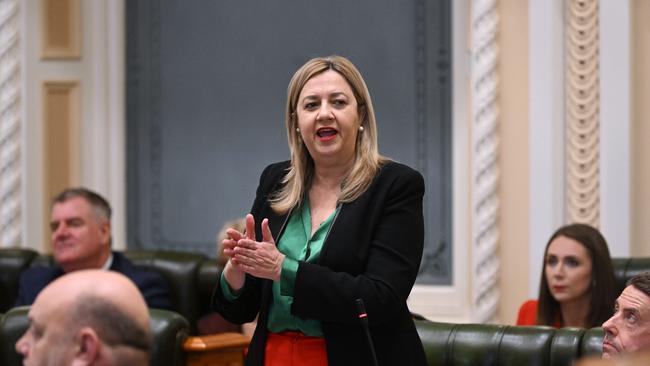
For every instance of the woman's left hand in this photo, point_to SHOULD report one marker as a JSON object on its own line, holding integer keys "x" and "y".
{"x": 258, "y": 258}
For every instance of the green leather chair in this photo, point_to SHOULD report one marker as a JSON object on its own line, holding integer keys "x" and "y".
{"x": 626, "y": 268}
{"x": 169, "y": 332}
{"x": 12, "y": 262}
{"x": 491, "y": 345}
{"x": 180, "y": 269}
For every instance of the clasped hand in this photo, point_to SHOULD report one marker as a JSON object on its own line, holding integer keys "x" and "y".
{"x": 258, "y": 258}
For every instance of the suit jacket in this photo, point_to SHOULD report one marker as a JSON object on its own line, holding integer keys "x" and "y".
{"x": 372, "y": 252}
{"x": 152, "y": 285}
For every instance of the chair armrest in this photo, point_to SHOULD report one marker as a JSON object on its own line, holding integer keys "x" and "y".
{"x": 216, "y": 349}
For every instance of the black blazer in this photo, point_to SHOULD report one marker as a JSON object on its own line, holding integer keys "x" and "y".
{"x": 372, "y": 252}
{"x": 152, "y": 285}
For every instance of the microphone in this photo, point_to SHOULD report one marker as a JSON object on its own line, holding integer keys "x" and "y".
{"x": 363, "y": 317}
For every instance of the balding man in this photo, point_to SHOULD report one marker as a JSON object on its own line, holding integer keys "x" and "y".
{"x": 628, "y": 330}
{"x": 88, "y": 317}
{"x": 80, "y": 221}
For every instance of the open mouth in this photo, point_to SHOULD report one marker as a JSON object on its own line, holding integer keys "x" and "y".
{"x": 326, "y": 133}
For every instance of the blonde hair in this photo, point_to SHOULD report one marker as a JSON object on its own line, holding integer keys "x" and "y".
{"x": 367, "y": 161}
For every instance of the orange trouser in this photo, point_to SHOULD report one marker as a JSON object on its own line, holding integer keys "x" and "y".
{"x": 294, "y": 349}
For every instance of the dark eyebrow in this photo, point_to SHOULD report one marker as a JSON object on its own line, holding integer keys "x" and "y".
{"x": 332, "y": 95}
{"x": 631, "y": 309}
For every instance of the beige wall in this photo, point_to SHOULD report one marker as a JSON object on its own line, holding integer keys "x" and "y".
{"x": 513, "y": 124}
{"x": 640, "y": 131}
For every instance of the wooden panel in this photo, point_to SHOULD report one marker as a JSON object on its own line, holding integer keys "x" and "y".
{"x": 61, "y": 140}
{"x": 61, "y": 29}
{"x": 641, "y": 130}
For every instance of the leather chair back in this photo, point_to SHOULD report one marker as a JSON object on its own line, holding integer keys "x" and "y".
{"x": 485, "y": 344}
{"x": 169, "y": 332}
{"x": 13, "y": 325}
{"x": 12, "y": 262}
{"x": 181, "y": 271}
{"x": 626, "y": 268}
{"x": 209, "y": 273}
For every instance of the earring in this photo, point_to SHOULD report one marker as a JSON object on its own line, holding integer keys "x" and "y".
{"x": 297, "y": 129}
{"x": 360, "y": 128}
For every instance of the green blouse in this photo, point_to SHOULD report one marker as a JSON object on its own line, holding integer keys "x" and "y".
{"x": 297, "y": 244}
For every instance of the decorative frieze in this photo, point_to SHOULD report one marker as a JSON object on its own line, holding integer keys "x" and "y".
{"x": 582, "y": 112}
{"x": 485, "y": 148}
{"x": 10, "y": 125}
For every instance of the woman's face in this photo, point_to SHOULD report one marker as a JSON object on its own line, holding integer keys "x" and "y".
{"x": 568, "y": 270}
{"x": 328, "y": 118}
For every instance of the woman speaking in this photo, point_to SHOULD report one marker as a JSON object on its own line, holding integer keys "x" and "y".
{"x": 335, "y": 226}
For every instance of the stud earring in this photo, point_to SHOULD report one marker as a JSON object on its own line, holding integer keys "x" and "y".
{"x": 360, "y": 128}
{"x": 297, "y": 129}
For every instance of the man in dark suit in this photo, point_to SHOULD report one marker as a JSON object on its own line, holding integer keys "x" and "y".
{"x": 81, "y": 239}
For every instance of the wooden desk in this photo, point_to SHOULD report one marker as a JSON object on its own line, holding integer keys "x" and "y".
{"x": 225, "y": 349}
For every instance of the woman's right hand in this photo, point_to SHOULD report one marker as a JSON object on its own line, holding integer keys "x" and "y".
{"x": 234, "y": 275}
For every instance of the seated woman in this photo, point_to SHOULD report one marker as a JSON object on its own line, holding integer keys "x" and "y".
{"x": 577, "y": 284}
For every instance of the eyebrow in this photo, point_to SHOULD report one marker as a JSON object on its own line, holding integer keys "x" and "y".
{"x": 334, "y": 94}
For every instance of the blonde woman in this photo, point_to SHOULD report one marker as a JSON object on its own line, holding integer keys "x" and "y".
{"x": 336, "y": 223}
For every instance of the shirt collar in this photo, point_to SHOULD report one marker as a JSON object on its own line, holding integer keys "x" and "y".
{"x": 108, "y": 263}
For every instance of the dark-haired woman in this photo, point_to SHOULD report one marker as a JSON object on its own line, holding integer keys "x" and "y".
{"x": 577, "y": 284}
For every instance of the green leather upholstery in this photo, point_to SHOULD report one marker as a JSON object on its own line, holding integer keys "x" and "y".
{"x": 592, "y": 342}
{"x": 626, "y": 268}
{"x": 209, "y": 273}
{"x": 484, "y": 344}
{"x": 169, "y": 332}
{"x": 13, "y": 325}
{"x": 181, "y": 271}
{"x": 12, "y": 262}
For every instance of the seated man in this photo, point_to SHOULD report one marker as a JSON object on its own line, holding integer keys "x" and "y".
{"x": 81, "y": 239}
{"x": 628, "y": 330}
{"x": 89, "y": 317}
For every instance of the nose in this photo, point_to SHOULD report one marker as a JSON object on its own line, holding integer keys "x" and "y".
{"x": 324, "y": 112}
{"x": 60, "y": 231}
{"x": 608, "y": 326}
{"x": 22, "y": 346}
{"x": 558, "y": 270}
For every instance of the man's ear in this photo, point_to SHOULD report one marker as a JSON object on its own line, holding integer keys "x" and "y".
{"x": 88, "y": 347}
{"x": 105, "y": 227}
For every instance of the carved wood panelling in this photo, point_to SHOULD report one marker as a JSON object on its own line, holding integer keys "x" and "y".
{"x": 61, "y": 29}
{"x": 10, "y": 125}
{"x": 61, "y": 140}
{"x": 485, "y": 172}
{"x": 582, "y": 112}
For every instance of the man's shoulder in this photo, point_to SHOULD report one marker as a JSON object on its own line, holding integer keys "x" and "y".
{"x": 41, "y": 274}
{"x": 33, "y": 280}
{"x": 152, "y": 284}
{"x": 123, "y": 265}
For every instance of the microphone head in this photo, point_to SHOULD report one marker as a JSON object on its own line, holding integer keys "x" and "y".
{"x": 361, "y": 308}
